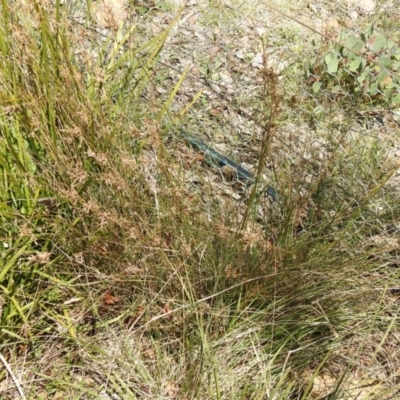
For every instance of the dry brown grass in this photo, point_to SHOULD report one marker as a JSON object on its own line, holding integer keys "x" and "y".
{"x": 131, "y": 270}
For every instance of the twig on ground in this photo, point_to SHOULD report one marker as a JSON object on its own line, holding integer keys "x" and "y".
{"x": 13, "y": 377}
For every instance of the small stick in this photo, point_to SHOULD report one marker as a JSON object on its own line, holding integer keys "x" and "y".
{"x": 13, "y": 377}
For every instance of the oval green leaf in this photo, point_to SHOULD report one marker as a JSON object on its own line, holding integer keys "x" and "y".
{"x": 396, "y": 99}
{"x": 362, "y": 77}
{"x": 385, "y": 62}
{"x": 373, "y": 89}
{"x": 379, "y": 43}
{"x": 316, "y": 86}
{"x": 352, "y": 45}
{"x": 332, "y": 62}
{"x": 336, "y": 89}
{"x": 355, "y": 64}
{"x": 390, "y": 43}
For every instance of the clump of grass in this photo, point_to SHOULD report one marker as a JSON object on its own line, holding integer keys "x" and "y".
{"x": 111, "y": 276}
{"x": 68, "y": 178}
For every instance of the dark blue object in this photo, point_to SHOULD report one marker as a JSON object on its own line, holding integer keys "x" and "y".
{"x": 215, "y": 158}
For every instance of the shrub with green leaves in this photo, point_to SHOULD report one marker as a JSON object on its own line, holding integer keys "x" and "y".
{"x": 364, "y": 66}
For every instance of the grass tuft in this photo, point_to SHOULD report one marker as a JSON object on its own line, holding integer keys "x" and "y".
{"x": 120, "y": 277}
